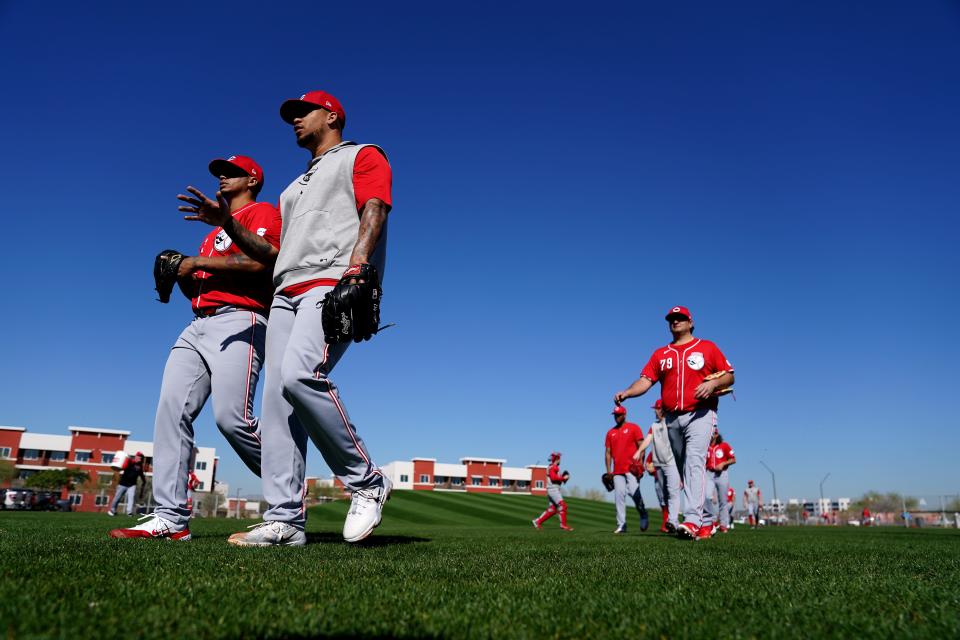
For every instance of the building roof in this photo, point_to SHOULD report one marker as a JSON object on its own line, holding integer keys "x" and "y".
{"x": 6, "y": 428}
{"x": 98, "y": 430}
{"x": 45, "y": 442}
{"x": 473, "y": 459}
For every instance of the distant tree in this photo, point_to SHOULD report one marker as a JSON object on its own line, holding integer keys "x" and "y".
{"x": 58, "y": 479}
{"x": 953, "y": 505}
{"x": 587, "y": 494}
{"x": 8, "y": 471}
{"x": 893, "y": 502}
{"x": 322, "y": 494}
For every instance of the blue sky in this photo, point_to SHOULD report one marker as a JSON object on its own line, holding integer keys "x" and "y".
{"x": 562, "y": 176}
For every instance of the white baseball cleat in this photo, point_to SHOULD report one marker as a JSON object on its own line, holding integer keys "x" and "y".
{"x": 366, "y": 511}
{"x": 153, "y": 526}
{"x": 111, "y": 512}
{"x": 269, "y": 534}
{"x": 620, "y": 530}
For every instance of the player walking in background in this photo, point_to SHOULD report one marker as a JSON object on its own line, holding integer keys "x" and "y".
{"x": 619, "y": 449}
{"x": 555, "y": 502}
{"x": 131, "y": 474}
{"x": 731, "y": 503}
{"x": 719, "y": 458}
{"x": 751, "y": 502}
{"x": 690, "y": 372}
{"x": 219, "y": 353}
{"x": 334, "y": 236}
{"x": 662, "y": 466}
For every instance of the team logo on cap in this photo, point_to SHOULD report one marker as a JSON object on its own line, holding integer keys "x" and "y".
{"x": 695, "y": 361}
{"x": 222, "y": 242}
{"x": 675, "y": 310}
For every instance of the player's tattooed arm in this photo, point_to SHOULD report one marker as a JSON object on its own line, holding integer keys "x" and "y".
{"x": 608, "y": 459}
{"x": 236, "y": 263}
{"x": 217, "y": 214}
{"x": 372, "y": 219}
{"x": 638, "y": 388}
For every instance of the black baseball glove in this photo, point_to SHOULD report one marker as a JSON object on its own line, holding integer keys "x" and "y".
{"x": 352, "y": 310}
{"x": 607, "y": 480}
{"x": 165, "y": 268}
{"x": 566, "y": 476}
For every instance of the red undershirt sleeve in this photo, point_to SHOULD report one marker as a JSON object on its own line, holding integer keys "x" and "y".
{"x": 372, "y": 177}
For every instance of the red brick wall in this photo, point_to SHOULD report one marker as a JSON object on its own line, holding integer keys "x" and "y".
{"x": 96, "y": 443}
{"x": 423, "y": 467}
{"x": 538, "y": 474}
{"x": 10, "y": 439}
{"x": 484, "y": 470}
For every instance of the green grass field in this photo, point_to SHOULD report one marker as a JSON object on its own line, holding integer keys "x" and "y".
{"x": 445, "y": 565}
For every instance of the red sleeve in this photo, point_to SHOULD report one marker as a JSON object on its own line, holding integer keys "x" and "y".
{"x": 718, "y": 361}
{"x": 125, "y": 461}
{"x": 639, "y": 436}
{"x": 555, "y": 473}
{"x": 372, "y": 177}
{"x": 652, "y": 368}
{"x": 728, "y": 450}
{"x": 264, "y": 220}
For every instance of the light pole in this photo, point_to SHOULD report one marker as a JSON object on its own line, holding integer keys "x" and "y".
{"x": 821, "y": 491}
{"x": 774, "y": 478}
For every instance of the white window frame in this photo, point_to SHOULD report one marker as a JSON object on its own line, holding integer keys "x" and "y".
{"x": 201, "y": 465}
{"x": 27, "y": 456}
{"x": 493, "y": 482}
{"x": 101, "y": 500}
{"x": 424, "y": 478}
{"x": 107, "y": 458}
{"x": 404, "y": 477}
{"x": 458, "y": 482}
{"x": 58, "y": 456}
{"x": 539, "y": 484}
{"x": 5, "y": 452}
{"x": 76, "y": 499}
{"x": 476, "y": 481}
{"x": 76, "y": 455}
{"x": 200, "y": 486}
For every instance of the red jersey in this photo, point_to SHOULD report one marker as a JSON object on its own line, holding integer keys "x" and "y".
{"x": 680, "y": 369}
{"x": 731, "y": 495}
{"x": 718, "y": 453}
{"x": 247, "y": 290}
{"x": 553, "y": 472}
{"x": 622, "y": 442}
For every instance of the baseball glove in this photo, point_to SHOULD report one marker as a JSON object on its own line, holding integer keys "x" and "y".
{"x": 720, "y": 391}
{"x": 165, "y": 268}
{"x": 607, "y": 480}
{"x": 565, "y": 475}
{"x": 352, "y": 310}
{"x": 636, "y": 469}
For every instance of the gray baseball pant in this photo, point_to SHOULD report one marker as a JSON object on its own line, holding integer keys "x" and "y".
{"x": 219, "y": 355}
{"x": 720, "y": 513}
{"x": 130, "y": 493}
{"x": 626, "y": 485}
{"x": 690, "y": 435}
{"x": 300, "y": 400}
{"x": 667, "y": 483}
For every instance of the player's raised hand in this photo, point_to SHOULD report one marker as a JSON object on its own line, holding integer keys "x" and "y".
{"x": 619, "y": 397}
{"x": 212, "y": 212}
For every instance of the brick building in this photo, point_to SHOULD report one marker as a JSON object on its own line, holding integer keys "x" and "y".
{"x": 99, "y": 452}
{"x": 471, "y": 475}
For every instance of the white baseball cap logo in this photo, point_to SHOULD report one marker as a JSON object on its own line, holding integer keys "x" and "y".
{"x": 675, "y": 309}
{"x": 231, "y": 158}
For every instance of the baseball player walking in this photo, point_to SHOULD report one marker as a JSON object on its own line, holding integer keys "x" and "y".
{"x": 751, "y": 502}
{"x": 555, "y": 502}
{"x": 683, "y": 368}
{"x": 620, "y": 450}
{"x": 219, "y": 353}
{"x": 662, "y": 466}
{"x": 731, "y": 504}
{"x": 334, "y": 224}
{"x": 720, "y": 457}
{"x": 127, "y": 486}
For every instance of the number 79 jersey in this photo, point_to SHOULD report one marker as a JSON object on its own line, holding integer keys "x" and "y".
{"x": 680, "y": 369}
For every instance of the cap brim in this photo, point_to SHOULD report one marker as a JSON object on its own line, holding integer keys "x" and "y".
{"x": 676, "y": 315}
{"x": 220, "y": 166}
{"x": 292, "y": 108}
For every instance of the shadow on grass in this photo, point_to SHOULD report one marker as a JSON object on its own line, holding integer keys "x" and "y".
{"x": 373, "y": 541}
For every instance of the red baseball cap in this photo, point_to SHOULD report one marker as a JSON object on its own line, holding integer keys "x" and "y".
{"x": 307, "y": 102}
{"x": 679, "y": 311}
{"x": 246, "y": 164}
{"x": 620, "y": 411}
{"x": 658, "y": 404}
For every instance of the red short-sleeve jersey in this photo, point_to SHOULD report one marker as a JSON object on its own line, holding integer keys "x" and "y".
{"x": 553, "y": 472}
{"x": 680, "y": 369}
{"x": 731, "y": 495}
{"x": 372, "y": 177}
{"x": 622, "y": 442}
{"x": 718, "y": 453}
{"x": 248, "y": 290}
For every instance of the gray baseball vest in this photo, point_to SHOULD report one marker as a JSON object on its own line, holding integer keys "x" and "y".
{"x": 320, "y": 220}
